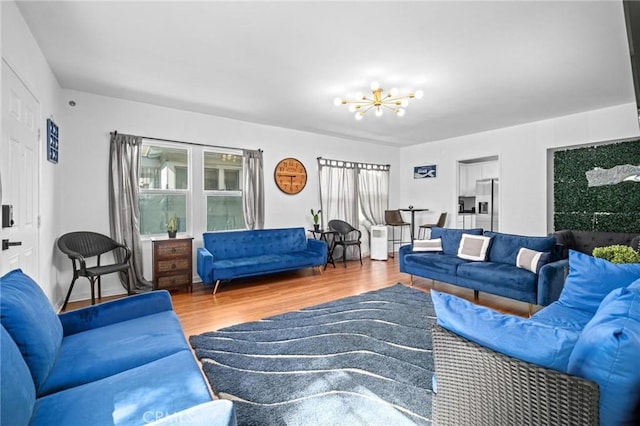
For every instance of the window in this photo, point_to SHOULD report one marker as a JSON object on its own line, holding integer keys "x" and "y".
{"x": 201, "y": 185}
{"x": 232, "y": 180}
{"x": 222, "y": 190}
{"x": 164, "y": 188}
{"x": 211, "y": 178}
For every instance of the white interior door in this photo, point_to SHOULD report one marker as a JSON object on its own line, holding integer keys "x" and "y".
{"x": 19, "y": 175}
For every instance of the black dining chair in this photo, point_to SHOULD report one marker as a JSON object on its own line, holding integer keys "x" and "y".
{"x": 79, "y": 246}
{"x": 393, "y": 218}
{"x": 441, "y": 221}
{"x": 346, "y": 236}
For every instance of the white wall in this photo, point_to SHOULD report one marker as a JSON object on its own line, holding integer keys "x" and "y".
{"x": 84, "y": 159}
{"x": 73, "y": 194}
{"x": 22, "y": 54}
{"x": 523, "y": 154}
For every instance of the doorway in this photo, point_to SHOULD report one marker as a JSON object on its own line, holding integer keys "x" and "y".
{"x": 478, "y": 193}
{"x": 19, "y": 169}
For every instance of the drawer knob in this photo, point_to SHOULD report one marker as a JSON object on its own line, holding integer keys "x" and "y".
{"x": 173, "y": 266}
{"x": 173, "y": 250}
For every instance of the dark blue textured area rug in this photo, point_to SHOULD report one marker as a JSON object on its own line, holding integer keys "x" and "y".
{"x": 362, "y": 360}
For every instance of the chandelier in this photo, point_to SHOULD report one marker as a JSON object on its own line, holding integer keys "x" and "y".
{"x": 362, "y": 104}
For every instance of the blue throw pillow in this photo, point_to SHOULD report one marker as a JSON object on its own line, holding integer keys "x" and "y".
{"x": 522, "y": 338}
{"x": 608, "y": 351}
{"x": 30, "y": 320}
{"x": 591, "y": 279}
{"x": 451, "y": 237}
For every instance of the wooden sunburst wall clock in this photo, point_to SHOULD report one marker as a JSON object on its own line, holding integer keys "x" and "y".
{"x": 290, "y": 176}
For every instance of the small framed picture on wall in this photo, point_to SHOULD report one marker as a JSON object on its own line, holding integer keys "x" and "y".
{"x": 425, "y": 172}
{"x": 52, "y": 141}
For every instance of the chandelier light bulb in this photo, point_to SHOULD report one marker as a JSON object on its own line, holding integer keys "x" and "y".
{"x": 375, "y": 85}
{"x": 394, "y": 92}
{"x": 404, "y": 103}
{"x": 359, "y": 96}
{"x": 379, "y": 112}
{"x": 359, "y": 115}
{"x": 352, "y": 108}
{"x": 419, "y": 94}
{"x": 337, "y": 101}
{"x": 400, "y": 112}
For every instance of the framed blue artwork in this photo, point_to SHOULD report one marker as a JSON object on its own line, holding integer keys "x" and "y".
{"x": 424, "y": 172}
{"x": 52, "y": 141}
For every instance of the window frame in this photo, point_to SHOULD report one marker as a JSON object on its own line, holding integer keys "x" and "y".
{"x": 206, "y": 193}
{"x": 188, "y": 192}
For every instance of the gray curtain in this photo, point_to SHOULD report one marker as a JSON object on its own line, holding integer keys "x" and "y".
{"x": 338, "y": 195}
{"x": 124, "y": 211}
{"x": 253, "y": 189}
{"x": 373, "y": 196}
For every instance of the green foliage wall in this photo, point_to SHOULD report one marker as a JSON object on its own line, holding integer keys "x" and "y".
{"x": 613, "y": 208}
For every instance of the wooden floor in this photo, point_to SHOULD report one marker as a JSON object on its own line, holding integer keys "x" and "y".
{"x": 251, "y": 299}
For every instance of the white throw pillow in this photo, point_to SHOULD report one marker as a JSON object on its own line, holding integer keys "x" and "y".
{"x": 531, "y": 260}
{"x": 473, "y": 247}
{"x": 428, "y": 245}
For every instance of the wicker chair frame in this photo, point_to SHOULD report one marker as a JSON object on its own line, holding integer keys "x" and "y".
{"x": 80, "y": 246}
{"x": 347, "y": 236}
{"x": 477, "y": 386}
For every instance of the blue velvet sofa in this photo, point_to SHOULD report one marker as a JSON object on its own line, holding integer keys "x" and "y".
{"x": 575, "y": 362}
{"x": 236, "y": 254}
{"x": 124, "y": 362}
{"x": 498, "y": 273}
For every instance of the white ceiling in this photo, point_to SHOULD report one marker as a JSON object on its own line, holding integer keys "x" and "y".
{"x": 482, "y": 65}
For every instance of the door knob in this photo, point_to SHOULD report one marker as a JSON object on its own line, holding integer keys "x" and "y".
{"x": 6, "y": 244}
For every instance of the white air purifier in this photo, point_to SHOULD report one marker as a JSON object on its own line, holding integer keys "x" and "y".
{"x": 379, "y": 243}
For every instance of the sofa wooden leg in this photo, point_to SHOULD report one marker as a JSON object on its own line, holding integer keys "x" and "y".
{"x": 319, "y": 268}
{"x": 530, "y": 310}
{"x": 216, "y": 287}
{"x": 411, "y": 280}
{"x": 476, "y": 295}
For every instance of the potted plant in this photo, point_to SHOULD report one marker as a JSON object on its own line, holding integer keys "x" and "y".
{"x": 316, "y": 219}
{"x": 172, "y": 226}
{"x": 617, "y": 254}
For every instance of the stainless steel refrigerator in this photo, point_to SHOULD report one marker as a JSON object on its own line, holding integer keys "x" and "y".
{"x": 487, "y": 199}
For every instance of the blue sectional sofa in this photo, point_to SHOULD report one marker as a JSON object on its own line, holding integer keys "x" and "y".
{"x": 575, "y": 362}
{"x": 124, "y": 362}
{"x": 236, "y": 254}
{"x": 498, "y": 273}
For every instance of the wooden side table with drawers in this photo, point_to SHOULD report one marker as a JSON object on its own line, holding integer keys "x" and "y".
{"x": 172, "y": 263}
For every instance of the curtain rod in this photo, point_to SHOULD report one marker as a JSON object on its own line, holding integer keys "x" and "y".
{"x": 115, "y": 132}
{"x": 353, "y": 162}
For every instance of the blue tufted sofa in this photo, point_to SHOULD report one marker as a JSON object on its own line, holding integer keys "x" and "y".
{"x": 575, "y": 362}
{"x": 236, "y": 254}
{"x": 124, "y": 362}
{"x": 498, "y": 274}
